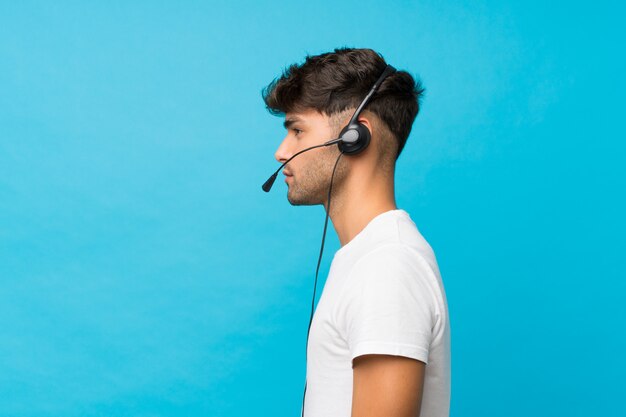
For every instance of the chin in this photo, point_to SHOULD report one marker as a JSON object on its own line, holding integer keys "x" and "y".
{"x": 301, "y": 200}
{"x": 295, "y": 201}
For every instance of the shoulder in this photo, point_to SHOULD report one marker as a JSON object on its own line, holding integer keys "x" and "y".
{"x": 392, "y": 272}
{"x": 395, "y": 259}
{"x": 388, "y": 304}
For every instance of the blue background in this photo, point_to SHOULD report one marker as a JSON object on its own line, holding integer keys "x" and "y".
{"x": 143, "y": 271}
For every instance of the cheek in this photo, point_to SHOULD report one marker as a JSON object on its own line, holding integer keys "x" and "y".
{"x": 303, "y": 161}
{"x": 316, "y": 168}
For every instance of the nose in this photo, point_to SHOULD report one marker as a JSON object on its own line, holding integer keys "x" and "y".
{"x": 283, "y": 152}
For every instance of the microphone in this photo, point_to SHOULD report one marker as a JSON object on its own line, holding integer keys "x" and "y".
{"x": 267, "y": 186}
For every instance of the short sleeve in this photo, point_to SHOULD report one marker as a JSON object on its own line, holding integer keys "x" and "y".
{"x": 388, "y": 306}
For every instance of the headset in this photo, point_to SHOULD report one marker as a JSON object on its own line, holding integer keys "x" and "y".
{"x": 356, "y": 136}
{"x": 353, "y": 139}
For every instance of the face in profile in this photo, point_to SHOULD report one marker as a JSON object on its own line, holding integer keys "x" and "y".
{"x": 308, "y": 174}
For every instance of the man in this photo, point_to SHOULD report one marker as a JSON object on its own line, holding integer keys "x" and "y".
{"x": 379, "y": 341}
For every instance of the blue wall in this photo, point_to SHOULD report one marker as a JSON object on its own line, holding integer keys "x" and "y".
{"x": 143, "y": 271}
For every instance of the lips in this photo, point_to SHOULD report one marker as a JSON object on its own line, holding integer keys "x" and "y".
{"x": 287, "y": 176}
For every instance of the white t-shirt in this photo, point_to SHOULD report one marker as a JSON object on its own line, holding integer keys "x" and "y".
{"x": 383, "y": 295}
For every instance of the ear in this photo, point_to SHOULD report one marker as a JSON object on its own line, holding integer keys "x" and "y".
{"x": 366, "y": 120}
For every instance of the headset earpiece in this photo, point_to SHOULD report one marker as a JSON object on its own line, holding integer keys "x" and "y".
{"x": 355, "y": 138}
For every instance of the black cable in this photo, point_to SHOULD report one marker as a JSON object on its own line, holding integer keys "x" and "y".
{"x": 319, "y": 260}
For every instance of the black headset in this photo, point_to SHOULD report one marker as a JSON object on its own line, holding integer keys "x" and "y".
{"x": 353, "y": 138}
{"x": 356, "y": 136}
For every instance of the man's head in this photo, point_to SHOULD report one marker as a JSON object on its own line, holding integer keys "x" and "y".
{"x": 319, "y": 96}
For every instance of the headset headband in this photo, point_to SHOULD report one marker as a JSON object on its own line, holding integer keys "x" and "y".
{"x": 388, "y": 71}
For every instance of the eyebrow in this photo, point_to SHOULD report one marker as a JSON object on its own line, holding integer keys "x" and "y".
{"x": 290, "y": 121}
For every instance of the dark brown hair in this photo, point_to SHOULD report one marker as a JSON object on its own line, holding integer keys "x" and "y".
{"x": 335, "y": 81}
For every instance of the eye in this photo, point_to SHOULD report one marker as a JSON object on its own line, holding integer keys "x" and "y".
{"x": 296, "y": 131}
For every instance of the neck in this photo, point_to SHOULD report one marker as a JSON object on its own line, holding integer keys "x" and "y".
{"x": 357, "y": 202}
